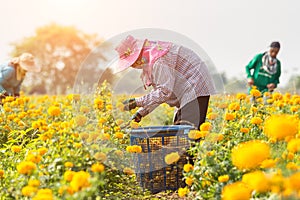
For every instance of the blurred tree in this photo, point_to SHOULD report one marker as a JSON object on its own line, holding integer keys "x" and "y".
{"x": 60, "y": 51}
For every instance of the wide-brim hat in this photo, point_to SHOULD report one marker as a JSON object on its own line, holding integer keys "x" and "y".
{"x": 26, "y": 61}
{"x": 129, "y": 50}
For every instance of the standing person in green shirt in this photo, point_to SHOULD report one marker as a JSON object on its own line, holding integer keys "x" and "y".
{"x": 266, "y": 70}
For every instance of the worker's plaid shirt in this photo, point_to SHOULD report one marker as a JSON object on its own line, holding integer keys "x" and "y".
{"x": 178, "y": 77}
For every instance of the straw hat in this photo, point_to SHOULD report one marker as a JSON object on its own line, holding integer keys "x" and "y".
{"x": 129, "y": 50}
{"x": 26, "y": 62}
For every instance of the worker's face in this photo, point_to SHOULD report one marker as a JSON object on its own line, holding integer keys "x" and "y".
{"x": 274, "y": 52}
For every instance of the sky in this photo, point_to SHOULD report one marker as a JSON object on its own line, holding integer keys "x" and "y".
{"x": 230, "y": 31}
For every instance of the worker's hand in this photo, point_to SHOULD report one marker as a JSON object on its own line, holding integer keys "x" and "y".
{"x": 271, "y": 87}
{"x": 250, "y": 81}
{"x": 137, "y": 117}
{"x": 129, "y": 104}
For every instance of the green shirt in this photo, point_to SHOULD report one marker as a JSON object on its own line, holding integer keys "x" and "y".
{"x": 261, "y": 77}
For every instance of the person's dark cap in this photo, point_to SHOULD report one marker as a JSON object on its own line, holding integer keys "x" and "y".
{"x": 275, "y": 45}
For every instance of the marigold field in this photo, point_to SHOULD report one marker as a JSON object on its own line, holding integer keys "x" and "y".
{"x": 74, "y": 147}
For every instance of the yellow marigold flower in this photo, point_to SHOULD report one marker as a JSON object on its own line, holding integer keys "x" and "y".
{"x": 290, "y": 156}
{"x": 269, "y": 163}
{"x": 84, "y": 109}
{"x": 183, "y": 191}
{"x": 270, "y": 101}
{"x": 255, "y": 93}
{"x": 294, "y": 181}
{"x": 195, "y": 134}
{"x": 230, "y": 116}
{"x": 212, "y": 116}
{"x": 99, "y": 104}
{"x": 134, "y": 149}
{"x": 108, "y": 107}
{"x": 206, "y": 126}
{"x": 244, "y": 130}
{"x": 292, "y": 166}
{"x": 33, "y": 157}
{"x": 69, "y": 164}
{"x": 97, "y": 167}
{"x": 68, "y": 175}
{"x": 26, "y": 167}
{"x": 241, "y": 96}
{"x": 134, "y": 124}
{"x": 294, "y": 145}
{"x": 234, "y": 106}
{"x": 276, "y": 96}
{"x": 188, "y": 167}
{"x": 105, "y": 136}
{"x": 119, "y": 153}
{"x": 101, "y": 157}
{"x": 251, "y": 154}
{"x": 119, "y": 135}
{"x": 34, "y": 183}
{"x": 29, "y": 191}
{"x": 80, "y": 180}
{"x": 172, "y": 158}
{"x": 42, "y": 151}
{"x": 256, "y": 120}
{"x": 44, "y": 194}
{"x": 257, "y": 181}
{"x": 54, "y": 111}
{"x": 281, "y": 126}
{"x": 189, "y": 181}
{"x": 223, "y": 178}
{"x": 1, "y": 173}
{"x": 16, "y": 149}
{"x": 294, "y": 108}
{"x": 236, "y": 191}
{"x": 80, "y": 120}
{"x": 128, "y": 171}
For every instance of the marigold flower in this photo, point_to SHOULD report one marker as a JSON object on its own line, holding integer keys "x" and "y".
{"x": 234, "y": 106}
{"x": 68, "y": 175}
{"x": 195, "y": 134}
{"x": 80, "y": 180}
{"x": 34, "y": 183}
{"x": 1, "y": 173}
{"x": 98, "y": 167}
{"x": 188, "y": 167}
{"x": 281, "y": 126}
{"x": 101, "y": 157}
{"x": 268, "y": 163}
{"x": 134, "y": 149}
{"x": 257, "y": 181}
{"x": 230, "y": 116}
{"x": 128, "y": 171}
{"x": 54, "y": 111}
{"x": 26, "y": 167}
{"x": 206, "y": 126}
{"x": 236, "y": 191}
{"x": 251, "y": 154}
{"x": 80, "y": 120}
{"x": 223, "y": 178}
{"x": 294, "y": 145}
{"x": 69, "y": 164}
{"x": 294, "y": 181}
{"x": 189, "y": 181}
{"x": 241, "y": 96}
{"x": 256, "y": 120}
{"x": 172, "y": 158}
{"x": 183, "y": 191}
{"x": 255, "y": 93}
{"x": 244, "y": 130}
{"x": 292, "y": 166}
{"x": 42, "y": 151}
{"x": 16, "y": 149}
{"x": 44, "y": 194}
{"x": 119, "y": 135}
{"x": 29, "y": 191}
{"x": 212, "y": 116}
